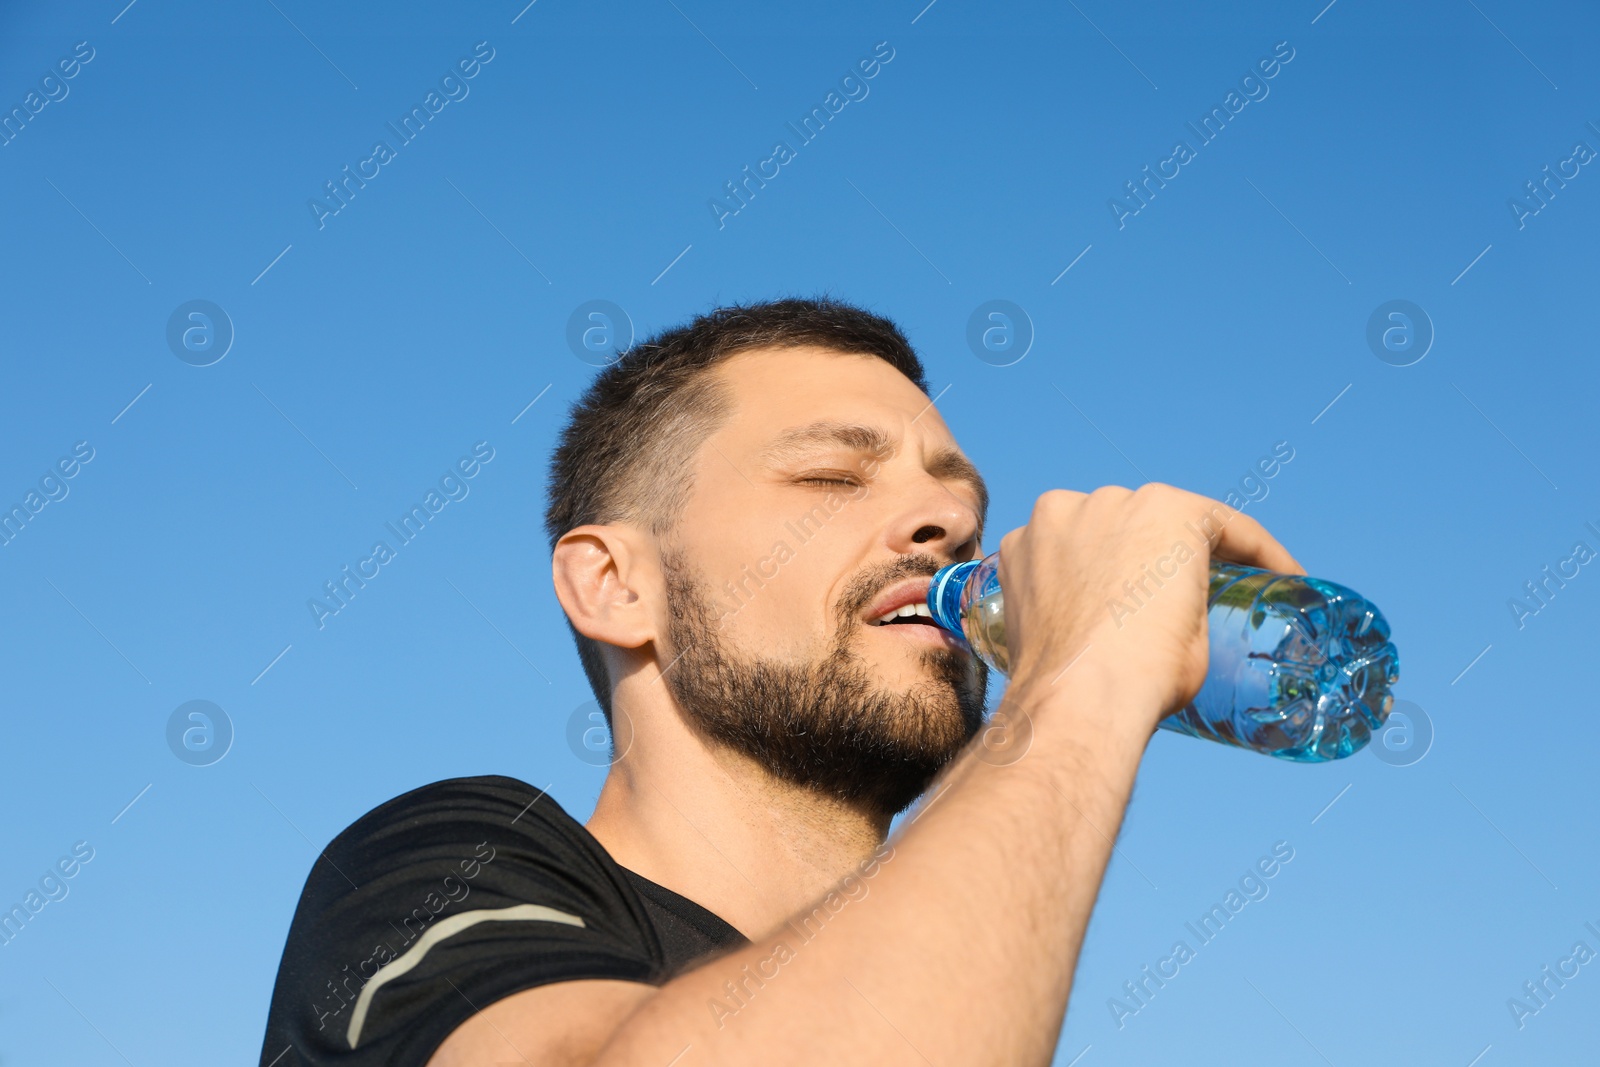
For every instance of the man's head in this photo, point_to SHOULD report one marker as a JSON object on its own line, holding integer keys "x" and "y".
{"x": 738, "y": 502}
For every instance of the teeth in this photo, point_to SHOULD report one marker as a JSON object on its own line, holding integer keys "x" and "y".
{"x": 904, "y": 612}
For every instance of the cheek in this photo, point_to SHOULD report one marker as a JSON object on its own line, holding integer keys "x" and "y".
{"x": 768, "y": 605}
{"x": 771, "y": 590}
{"x": 772, "y": 565}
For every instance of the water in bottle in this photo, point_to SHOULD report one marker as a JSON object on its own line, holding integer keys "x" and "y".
{"x": 1300, "y": 668}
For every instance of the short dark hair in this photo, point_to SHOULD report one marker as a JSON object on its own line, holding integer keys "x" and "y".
{"x": 623, "y": 454}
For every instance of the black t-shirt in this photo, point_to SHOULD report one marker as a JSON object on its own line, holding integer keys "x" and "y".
{"x": 444, "y": 900}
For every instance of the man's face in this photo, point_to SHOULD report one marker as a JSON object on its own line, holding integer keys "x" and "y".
{"x": 824, "y": 502}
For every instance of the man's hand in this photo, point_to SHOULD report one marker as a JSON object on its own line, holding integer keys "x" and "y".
{"x": 1078, "y": 555}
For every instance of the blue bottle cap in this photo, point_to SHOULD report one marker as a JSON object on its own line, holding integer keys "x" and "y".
{"x": 944, "y": 595}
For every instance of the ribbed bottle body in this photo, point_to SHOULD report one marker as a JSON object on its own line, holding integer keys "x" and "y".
{"x": 1300, "y": 668}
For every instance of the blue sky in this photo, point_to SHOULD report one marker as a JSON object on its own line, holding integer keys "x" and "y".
{"x": 374, "y": 347}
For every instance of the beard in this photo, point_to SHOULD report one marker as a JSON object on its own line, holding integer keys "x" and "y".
{"x": 824, "y": 725}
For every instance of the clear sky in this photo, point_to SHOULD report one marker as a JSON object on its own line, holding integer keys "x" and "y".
{"x": 1178, "y": 337}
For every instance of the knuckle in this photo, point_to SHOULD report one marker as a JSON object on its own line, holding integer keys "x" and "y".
{"x": 1108, "y": 494}
{"x": 1166, "y": 503}
{"x": 1053, "y": 503}
{"x": 1160, "y": 493}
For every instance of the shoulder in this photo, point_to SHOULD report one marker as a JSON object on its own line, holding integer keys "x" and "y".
{"x": 460, "y": 830}
{"x": 464, "y": 888}
{"x": 448, "y": 811}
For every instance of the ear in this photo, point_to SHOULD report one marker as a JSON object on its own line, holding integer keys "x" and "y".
{"x": 604, "y": 576}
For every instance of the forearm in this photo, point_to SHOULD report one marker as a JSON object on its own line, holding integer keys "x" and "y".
{"x": 962, "y": 947}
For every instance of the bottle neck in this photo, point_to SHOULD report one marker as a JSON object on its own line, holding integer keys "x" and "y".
{"x": 944, "y": 595}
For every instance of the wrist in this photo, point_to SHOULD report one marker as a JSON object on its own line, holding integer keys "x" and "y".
{"x": 1087, "y": 704}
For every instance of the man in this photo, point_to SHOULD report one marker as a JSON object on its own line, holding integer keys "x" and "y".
{"x": 744, "y": 513}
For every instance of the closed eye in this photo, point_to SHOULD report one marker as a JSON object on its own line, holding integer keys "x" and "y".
{"x": 828, "y": 479}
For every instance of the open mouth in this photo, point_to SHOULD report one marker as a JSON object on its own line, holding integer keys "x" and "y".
{"x": 913, "y": 621}
{"x": 907, "y": 614}
{"x": 904, "y": 606}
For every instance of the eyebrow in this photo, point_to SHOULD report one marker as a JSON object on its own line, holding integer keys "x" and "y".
{"x": 946, "y": 464}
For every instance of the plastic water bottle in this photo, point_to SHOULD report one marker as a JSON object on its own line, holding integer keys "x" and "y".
{"x": 1300, "y": 667}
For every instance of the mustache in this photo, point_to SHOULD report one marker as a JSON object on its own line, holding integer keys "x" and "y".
{"x": 874, "y": 578}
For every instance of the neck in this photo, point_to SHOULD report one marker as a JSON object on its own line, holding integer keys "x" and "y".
{"x": 712, "y": 825}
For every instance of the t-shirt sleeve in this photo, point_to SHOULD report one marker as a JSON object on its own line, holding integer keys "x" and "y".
{"x": 438, "y": 904}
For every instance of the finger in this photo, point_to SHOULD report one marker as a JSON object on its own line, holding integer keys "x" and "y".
{"x": 1237, "y": 538}
{"x": 1244, "y": 540}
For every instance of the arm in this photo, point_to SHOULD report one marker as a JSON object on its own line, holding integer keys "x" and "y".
{"x": 963, "y": 946}
{"x": 963, "y": 949}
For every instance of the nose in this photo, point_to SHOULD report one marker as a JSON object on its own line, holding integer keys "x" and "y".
{"x": 936, "y": 521}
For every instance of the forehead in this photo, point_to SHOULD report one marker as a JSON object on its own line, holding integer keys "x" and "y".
{"x": 772, "y": 390}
